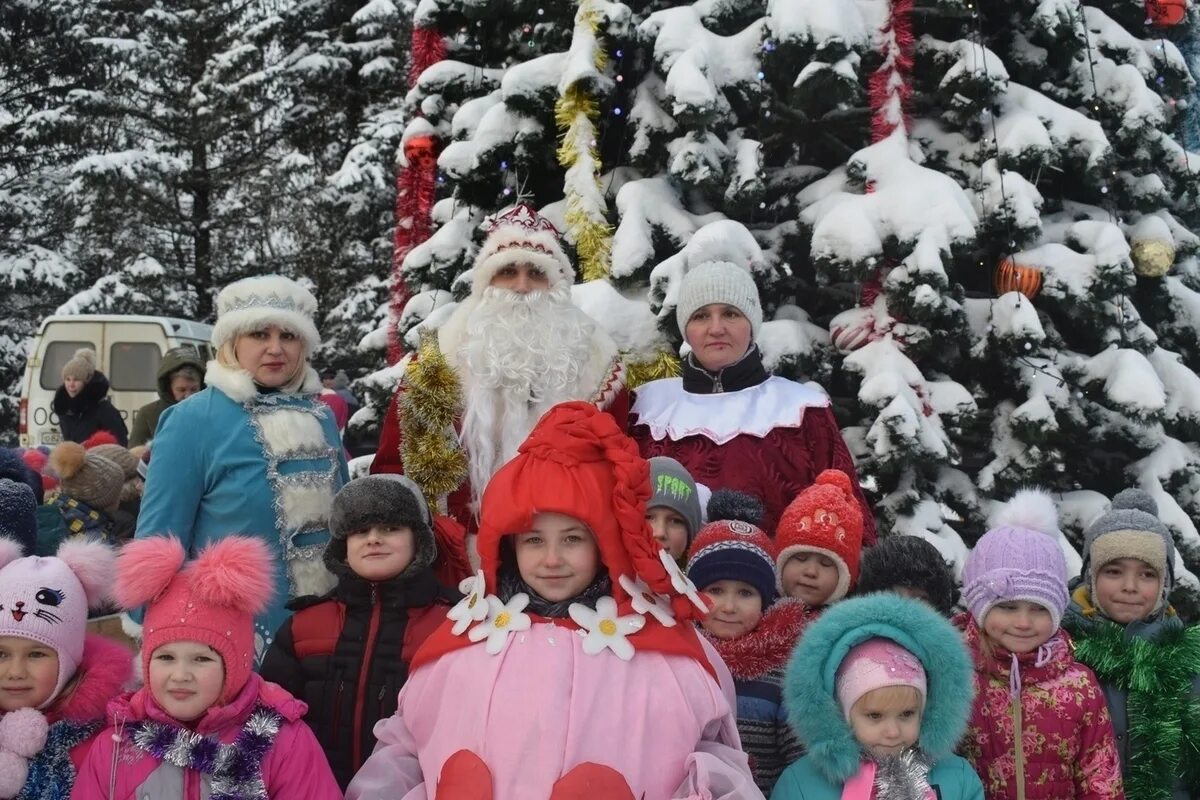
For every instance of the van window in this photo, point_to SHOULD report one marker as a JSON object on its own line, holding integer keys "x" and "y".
{"x": 133, "y": 366}
{"x": 58, "y": 353}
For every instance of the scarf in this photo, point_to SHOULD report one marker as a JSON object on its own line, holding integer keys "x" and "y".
{"x": 83, "y": 520}
{"x": 1163, "y": 716}
{"x": 51, "y": 771}
{"x": 742, "y": 374}
{"x": 768, "y": 646}
{"x": 235, "y": 769}
{"x": 511, "y": 583}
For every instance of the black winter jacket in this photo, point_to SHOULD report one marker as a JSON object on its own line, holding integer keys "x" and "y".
{"x": 89, "y": 411}
{"x": 346, "y": 655}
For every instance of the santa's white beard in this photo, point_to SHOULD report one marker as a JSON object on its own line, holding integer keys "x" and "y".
{"x": 522, "y": 355}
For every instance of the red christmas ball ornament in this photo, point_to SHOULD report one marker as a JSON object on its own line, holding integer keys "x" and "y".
{"x": 420, "y": 152}
{"x": 1166, "y": 13}
{"x": 1014, "y": 277}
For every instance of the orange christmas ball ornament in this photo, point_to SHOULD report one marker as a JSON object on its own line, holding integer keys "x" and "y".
{"x": 1014, "y": 277}
{"x": 1166, "y": 13}
{"x": 420, "y": 151}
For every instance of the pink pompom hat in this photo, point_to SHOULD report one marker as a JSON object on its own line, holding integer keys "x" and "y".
{"x": 211, "y": 600}
{"x": 46, "y": 599}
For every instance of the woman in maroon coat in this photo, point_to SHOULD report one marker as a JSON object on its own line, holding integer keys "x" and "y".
{"x": 726, "y": 420}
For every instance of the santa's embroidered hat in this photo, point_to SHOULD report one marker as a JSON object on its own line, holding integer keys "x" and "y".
{"x": 252, "y": 304}
{"x": 388, "y": 500}
{"x": 88, "y": 476}
{"x": 733, "y": 550}
{"x": 1130, "y": 529}
{"x": 46, "y": 599}
{"x": 579, "y": 463}
{"x": 211, "y": 600}
{"x": 1019, "y": 558}
{"x": 876, "y": 664}
{"x": 521, "y": 236}
{"x": 826, "y": 519}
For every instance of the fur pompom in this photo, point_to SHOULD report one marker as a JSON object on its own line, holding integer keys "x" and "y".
{"x": 98, "y": 438}
{"x": 1135, "y": 499}
{"x": 94, "y": 564}
{"x": 1029, "y": 508}
{"x": 13, "y": 772}
{"x": 67, "y": 459}
{"x": 9, "y": 551}
{"x": 145, "y": 568}
{"x": 236, "y": 572}
{"x": 835, "y": 477}
{"x": 23, "y": 732}
{"x": 730, "y": 504}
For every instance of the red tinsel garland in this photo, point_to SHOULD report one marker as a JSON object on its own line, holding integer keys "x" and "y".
{"x": 415, "y": 190}
{"x": 891, "y": 86}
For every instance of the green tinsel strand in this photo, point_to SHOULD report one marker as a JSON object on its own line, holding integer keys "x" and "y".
{"x": 1163, "y": 716}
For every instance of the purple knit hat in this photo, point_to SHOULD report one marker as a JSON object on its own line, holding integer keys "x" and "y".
{"x": 1019, "y": 558}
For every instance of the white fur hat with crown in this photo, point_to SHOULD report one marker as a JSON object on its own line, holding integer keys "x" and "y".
{"x": 521, "y": 236}
{"x": 254, "y": 303}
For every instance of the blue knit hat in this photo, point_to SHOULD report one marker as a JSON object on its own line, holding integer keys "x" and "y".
{"x": 733, "y": 550}
{"x": 18, "y": 514}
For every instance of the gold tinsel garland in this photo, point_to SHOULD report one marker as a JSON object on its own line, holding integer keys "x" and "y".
{"x": 431, "y": 400}
{"x": 576, "y": 113}
{"x": 663, "y": 365}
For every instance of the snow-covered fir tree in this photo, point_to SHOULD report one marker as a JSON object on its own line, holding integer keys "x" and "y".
{"x": 875, "y": 183}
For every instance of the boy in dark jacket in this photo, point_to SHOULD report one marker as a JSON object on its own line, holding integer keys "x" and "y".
{"x": 1147, "y": 660}
{"x": 180, "y": 375}
{"x": 346, "y": 654}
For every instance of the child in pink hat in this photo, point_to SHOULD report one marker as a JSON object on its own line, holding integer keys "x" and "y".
{"x": 204, "y": 724}
{"x": 55, "y": 679}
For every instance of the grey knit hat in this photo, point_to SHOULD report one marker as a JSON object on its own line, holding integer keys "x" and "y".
{"x": 719, "y": 282}
{"x": 672, "y": 487}
{"x": 87, "y": 476}
{"x": 82, "y": 365}
{"x": 1130, "y": 529}
{"x": 380, "y": 500}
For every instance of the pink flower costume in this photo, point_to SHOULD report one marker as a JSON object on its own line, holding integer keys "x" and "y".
{"x": 617, "y": 700}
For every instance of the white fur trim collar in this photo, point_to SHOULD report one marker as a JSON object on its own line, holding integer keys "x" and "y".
{"x": 671, "y": 413}
{"x": 238, "y": 386}
{"x": 600, "y": 382}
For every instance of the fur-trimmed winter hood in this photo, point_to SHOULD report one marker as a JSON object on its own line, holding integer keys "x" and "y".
{"x": 103, "y": 673}
{"x": 810, "y": 692}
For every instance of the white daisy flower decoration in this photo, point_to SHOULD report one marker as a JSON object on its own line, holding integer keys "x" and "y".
{"x": 606, "y": 629}
{"x": 680, "y": 582}
{"x": 647, "y": 601}
{"x": 502, "y": 621}
{"x": 473, "y": 607}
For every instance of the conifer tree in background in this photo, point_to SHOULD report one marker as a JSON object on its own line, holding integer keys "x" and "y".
{"x": 41, "y": 67}
{"x": 959, "y": 215}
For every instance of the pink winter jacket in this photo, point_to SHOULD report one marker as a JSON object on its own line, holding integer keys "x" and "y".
{"x": 293, "y": 769}
{"x": 1067, "y": 751}
{"x": 541, "y": 707}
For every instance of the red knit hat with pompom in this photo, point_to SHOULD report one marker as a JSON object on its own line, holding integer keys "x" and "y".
{"x": 825, "y": 518}
{"x": 212, "y": 600}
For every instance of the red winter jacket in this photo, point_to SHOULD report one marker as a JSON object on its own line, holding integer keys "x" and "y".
{"x": 1068, "y": 750}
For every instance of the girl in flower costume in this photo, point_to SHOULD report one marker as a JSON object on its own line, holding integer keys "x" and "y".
{"x": 570, "y": 669}
{"x": 203, "y": 725}
{"x": 55, "y": 678}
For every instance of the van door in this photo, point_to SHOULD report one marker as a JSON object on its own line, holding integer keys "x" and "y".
{"x": 133, "y": 351}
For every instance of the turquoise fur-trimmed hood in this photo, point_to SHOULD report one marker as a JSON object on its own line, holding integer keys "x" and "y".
{"x": 809, "y": 689}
